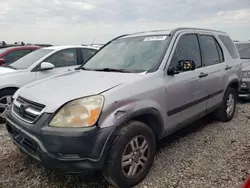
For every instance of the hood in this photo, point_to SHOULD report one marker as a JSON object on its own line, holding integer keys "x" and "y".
{"x": 5, "y": 70}
{"x": 245, "y": 64}
{"x": 56, "y": 91}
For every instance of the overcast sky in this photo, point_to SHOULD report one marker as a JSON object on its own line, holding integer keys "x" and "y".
{"x": 83, "y": 21}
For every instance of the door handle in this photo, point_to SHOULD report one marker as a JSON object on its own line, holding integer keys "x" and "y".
{"x": 202, "y": 74}
{"x": 228, "y": 67}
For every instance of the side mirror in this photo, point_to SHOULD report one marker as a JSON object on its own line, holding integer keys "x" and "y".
{"x": 185, "y": 65}
{"x": 2, "y": 61}
{"x": 46, "y": 66}
{"x": 172, "y": 71}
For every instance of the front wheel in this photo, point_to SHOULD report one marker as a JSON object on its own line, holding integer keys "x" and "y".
{"x": 131, "y": 155}
{"x": 226, "y": 112}
{"x": 5, "y": 102}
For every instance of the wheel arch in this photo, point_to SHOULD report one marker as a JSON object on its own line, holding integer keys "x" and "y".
{"x": 9, "y": 88}
{"x": 150, "y": 116}
{"x": 235, "y": 84}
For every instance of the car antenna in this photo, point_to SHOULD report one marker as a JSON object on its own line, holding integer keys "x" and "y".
{"x": 93, "y": 41}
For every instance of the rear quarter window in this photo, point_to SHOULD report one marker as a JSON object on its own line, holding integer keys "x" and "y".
{"x": 230, "y": 46}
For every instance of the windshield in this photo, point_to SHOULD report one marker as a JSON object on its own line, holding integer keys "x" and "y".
{"x": 135, "y": 54}
{"x": 244, "y": 50}
{"x": 3, "y": 50}
{"x": 30, "y": 59}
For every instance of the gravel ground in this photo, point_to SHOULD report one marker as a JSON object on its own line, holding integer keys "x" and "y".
{"x": 204, "y": 154}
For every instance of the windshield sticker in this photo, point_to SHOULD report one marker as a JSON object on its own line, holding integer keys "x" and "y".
{"x": 155, "y": 38}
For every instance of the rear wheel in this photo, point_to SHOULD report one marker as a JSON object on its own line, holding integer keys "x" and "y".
{"x": 5, "y": 102}
{"x": 131, "y": 155}
{"x": 226, "y": 112}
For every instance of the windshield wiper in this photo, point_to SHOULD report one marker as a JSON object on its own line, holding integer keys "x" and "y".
{"x": 83, "y": 68}
{"x": 112, "y": 70}
{"x": 105, "y": 70}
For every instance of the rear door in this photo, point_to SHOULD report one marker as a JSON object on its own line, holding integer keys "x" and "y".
{"x": 214, "y": 66}
{"x": 185, "y": 92}
{"x": 63, "y": 60}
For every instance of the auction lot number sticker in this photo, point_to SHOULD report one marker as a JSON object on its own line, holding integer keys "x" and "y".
{"x": 155, "y": 38}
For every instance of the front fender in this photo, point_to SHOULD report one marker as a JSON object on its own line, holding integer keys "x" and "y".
{"x": 125, "y": 113}
{"x": 117, "y": 113}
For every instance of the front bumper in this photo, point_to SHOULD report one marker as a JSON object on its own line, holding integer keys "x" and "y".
{"x": 62, "y": 149}
{"x": 245, "y": 88}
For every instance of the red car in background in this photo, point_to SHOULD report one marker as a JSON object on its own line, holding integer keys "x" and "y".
{"x": 247, "y": 183}
{"x": 11, "y": 54}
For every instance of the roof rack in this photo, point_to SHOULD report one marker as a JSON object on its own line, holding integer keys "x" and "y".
{"x": 185, "y": 28}
{"x": 172, "y": 31}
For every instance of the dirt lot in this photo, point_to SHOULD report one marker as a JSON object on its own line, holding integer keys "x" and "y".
{"x": 204, "y": 154}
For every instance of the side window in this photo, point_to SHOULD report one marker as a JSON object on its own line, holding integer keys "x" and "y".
{"x": 230, "y": 46}
{"x": 63, "y": 58}
{"x": 14, "y": 56}
{"x": 87, "y": 53}
{"x": 221, "y": 55}
{"x": 187, "y": 48}
{"x": 209, "y": 48}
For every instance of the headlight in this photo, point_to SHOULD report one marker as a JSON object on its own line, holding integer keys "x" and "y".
{"x": 82, "y": 112}
{"x": 246, "y": 74}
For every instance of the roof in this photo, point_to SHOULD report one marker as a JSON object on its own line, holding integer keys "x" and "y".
{"x": 70, "y": 46}
{"x": 168, "y": 32}
{"x": 242, "y": 42}
{"x": 98, "y": 46}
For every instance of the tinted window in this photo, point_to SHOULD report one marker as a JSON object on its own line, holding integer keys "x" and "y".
{"x": 30, "y": 58}
{"x": 210, "y": 52}
{"x": 229, "y": 45}
{"x": 133, "y": 54}
{"x": 15, "y": 55}
{"x": 187, "y": 48}
{"x": 87, "y": 53}
{"x": 63, "y": 58}
{"x": 244, "y": 50}
{"x": 221, "y": 55}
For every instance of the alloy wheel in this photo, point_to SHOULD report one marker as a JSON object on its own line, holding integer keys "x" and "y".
{"x": 230, "y": 104}
{"x": 135, "y": 157}
{"x": 5, "y": 103}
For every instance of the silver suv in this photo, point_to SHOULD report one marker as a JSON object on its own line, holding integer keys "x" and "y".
{"x": 109, "y": 113}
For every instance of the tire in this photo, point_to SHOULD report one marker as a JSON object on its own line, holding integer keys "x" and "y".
{"x": 221, "y": 113}
{"x": 113, "y": 170}
{"x": 4, "y": 93}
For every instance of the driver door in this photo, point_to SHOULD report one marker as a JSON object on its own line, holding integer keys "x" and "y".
{"x": 185, "y": 91}
{"x": 64, "y": 61}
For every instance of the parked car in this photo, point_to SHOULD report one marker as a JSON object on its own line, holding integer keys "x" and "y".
{"x": 244, "y": 51}
{"x": 11, "y": 54}
{"x": 139, "y": 88}
{"x": 39, "y": 64}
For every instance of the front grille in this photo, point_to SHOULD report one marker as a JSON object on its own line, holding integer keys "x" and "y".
{"x": 27, "y": 110}
{"x": 22, "y": 140}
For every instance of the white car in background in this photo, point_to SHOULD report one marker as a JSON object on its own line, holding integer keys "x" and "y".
{"x": 42, "y": 63}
